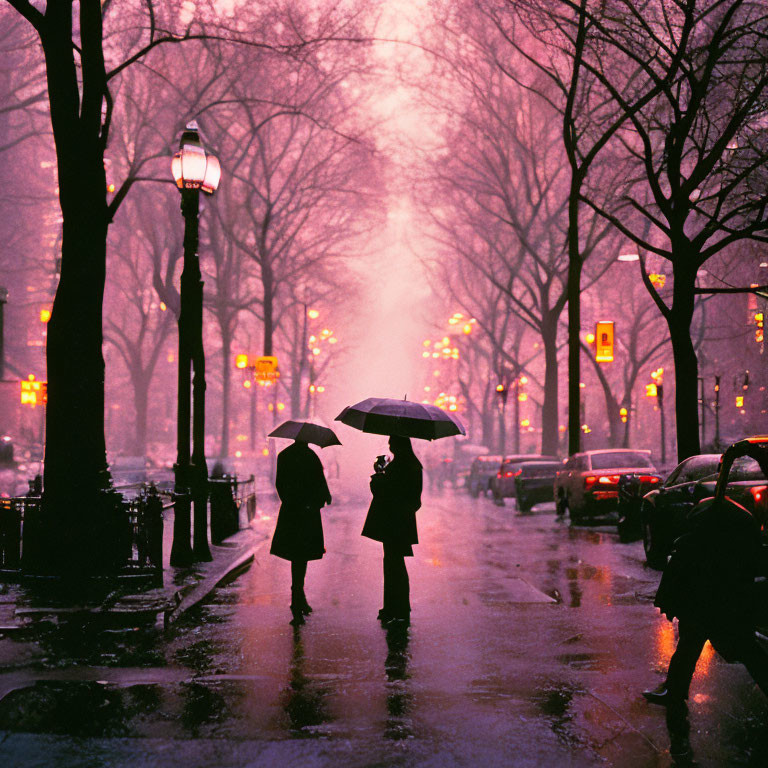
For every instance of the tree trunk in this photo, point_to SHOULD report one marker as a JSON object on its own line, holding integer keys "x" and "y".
{"x": 226, "y": 377}
{"x": 549, "y": 415}
{"x": 296, "y": 405}
{"x": 502, "y": 412}
{"x": 574, "y": 322}
{"x": 298, "y": 410}
{"x": 141, "y": 383}
{"x": 75, "y": 450}
{"x": 487, "y": 427}
{"x": 686, "y": 364}
{"x": 267, "y": 282}
{"x": 72, "y": 531}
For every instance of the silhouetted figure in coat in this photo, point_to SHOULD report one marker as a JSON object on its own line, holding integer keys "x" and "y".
{"x": 709, "y": 586}
{"x": 392, "y": 520}
{"x": 302, "y": 489}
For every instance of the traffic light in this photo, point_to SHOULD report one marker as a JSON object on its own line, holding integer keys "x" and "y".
{"x": 623, "y": 414}
{"x": 759, "y": 327}
{"x": 604, "y": 341}
{"x": 650, "y": 390}
{"x": 501, "y": 391}
{"x": 739, "y": 401}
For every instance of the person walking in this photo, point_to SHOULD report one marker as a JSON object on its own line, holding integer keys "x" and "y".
{"x": 708, "y": 585}
{"x": 298, "y": 537}
{"x": 391, "y": 519}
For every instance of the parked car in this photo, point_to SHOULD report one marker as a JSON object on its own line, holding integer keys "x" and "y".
{"x": 503, "y": 484}
{"x": 587, "y": 485}
{"x": 534, "y": 484}
{"x": 463, "y": 460}
{"x": 480, "y": 473}
{"x": 664, "y": 510}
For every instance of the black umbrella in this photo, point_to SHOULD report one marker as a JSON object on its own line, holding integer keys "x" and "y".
{"x": 307, "y": 432}
{"x": 384, "y": 416}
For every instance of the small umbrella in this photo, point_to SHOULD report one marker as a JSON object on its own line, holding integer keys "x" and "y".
{"x": 385, "y": 416}
{"x": 307, "y": 432}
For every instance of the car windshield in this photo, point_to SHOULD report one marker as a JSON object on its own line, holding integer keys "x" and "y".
{"x": 617, "y": 459}
{"x": 693, "y": 469}
{"x": 744, "y": 468}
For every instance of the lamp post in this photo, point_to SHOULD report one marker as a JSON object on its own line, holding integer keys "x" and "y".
{"x": 658, "y": 378}
{"x": 520, "y": 397}
{"x": 717, "y": 413}
{"x": 3, "y": 300}
{"x": 502, "y": 393}
{"x": 193, "y": 169}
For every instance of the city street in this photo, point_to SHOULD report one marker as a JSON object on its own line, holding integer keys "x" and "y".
{"x": 530, "y": 644}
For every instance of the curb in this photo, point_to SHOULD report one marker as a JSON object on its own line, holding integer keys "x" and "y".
{"x": 166, "y": 609}
{"x": 186, "y": 598}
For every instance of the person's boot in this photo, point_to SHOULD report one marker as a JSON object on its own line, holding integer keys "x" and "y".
{"x": 660, "y": 695}
{"x": 297, "y": 607}
{"x": 680, "y": 750}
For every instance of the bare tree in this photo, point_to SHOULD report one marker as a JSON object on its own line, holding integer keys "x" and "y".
{"x": 700, "y": 148}
{"x": 504, "y": 171}
{"x": 81, "y": 87}
{"x": 141, "y": 324}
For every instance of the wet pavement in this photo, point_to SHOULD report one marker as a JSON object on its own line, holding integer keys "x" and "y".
{"x": 529, "y": 645}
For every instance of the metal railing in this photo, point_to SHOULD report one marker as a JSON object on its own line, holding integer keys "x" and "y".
{"x": 134, "y": 544}
{"x": 228, "y": 497}
{"x": 132, "y": 531}
{"x": 13, "y": 512}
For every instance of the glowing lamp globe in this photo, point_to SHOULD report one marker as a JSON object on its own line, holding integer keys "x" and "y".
{"x": 192, "y": 167}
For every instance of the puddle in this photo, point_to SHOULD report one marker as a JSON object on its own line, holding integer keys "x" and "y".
{"x": 97, "y": 709}
{"x": 556, "y": 704}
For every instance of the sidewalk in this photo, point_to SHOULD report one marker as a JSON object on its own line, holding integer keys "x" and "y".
{"x": 182, "y": 588}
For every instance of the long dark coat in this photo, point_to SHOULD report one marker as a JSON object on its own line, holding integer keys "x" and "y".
{"x": 710, "y": 577}
{"x": 303, "y": 490}
{"x": 396, "y": 492}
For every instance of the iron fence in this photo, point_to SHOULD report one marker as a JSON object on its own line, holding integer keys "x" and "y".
{"x": 130, "y": 525}
{"x": 229, "y": 496}
{"x": 133, "y": 533}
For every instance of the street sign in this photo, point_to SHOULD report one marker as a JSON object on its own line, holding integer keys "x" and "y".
{"x": 265, "y": 368}
{"x": 604, "y": 341}
{"x": 34, "y": 392}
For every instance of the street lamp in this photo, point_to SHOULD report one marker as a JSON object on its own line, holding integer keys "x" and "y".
{"x": 657, "y": 390}
{"x": 193, "y": 170}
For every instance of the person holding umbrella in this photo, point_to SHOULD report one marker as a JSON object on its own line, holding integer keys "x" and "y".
{"x": 391, "y": 519}
{"x": 303, "y": 491}
{"x": 397, "y": 486}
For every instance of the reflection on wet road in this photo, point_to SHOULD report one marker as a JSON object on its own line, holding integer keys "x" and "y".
{"x": 529, "y": 645}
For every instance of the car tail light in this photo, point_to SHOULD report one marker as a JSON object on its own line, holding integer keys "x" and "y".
{"x": 513, "y": 474}
{"x": 758, "y": 492}
{"x": 649, "y": 479}
{"x": 609, "y": 479}
{"x": 590, "y": 480}
{"x": 498, "y": 474}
